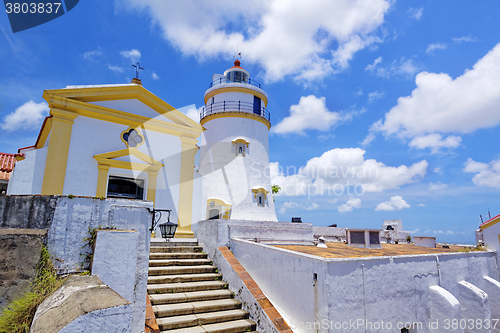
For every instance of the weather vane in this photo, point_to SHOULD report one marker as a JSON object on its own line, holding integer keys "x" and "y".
{"x": 238, "y": 54}
{"x": 137, "y": 68}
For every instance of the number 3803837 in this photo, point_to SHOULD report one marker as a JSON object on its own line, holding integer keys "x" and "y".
{"x": 32, "y": 8}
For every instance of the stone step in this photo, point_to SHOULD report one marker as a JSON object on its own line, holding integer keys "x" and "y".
{"x": 170, "y": 310}
{"x": 158, "y": 256}
{"x": 184, "y": 278}
{"x": 179, "y": 262}
{"x": 201, "y": 319}
{"x": 194, "y": 296}
{"x": 176, "y": 249}
{"x": 237, "y": 326}
{"x": 176, "y": 270}
{"x": 186, "y": 287}
{"x": 159, "y": 242}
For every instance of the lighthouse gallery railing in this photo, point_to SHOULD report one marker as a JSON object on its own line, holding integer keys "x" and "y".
{"x": 234, "y": 106}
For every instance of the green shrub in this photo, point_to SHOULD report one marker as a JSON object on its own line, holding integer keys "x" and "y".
{"x": 18, "y": 315}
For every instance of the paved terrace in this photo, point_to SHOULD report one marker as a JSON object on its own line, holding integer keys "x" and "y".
{"x": 342, "y": 250}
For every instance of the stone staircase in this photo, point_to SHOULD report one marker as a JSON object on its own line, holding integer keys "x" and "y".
{"x": 188, "y": 295}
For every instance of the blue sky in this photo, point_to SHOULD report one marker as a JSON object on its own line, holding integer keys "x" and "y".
{"x": 406, "y": 90}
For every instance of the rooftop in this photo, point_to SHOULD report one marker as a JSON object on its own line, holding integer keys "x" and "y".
{"x": 342, "y": 250}
{"x": 7, "y": 162}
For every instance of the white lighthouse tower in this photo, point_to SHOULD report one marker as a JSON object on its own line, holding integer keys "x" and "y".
{"x": 234, "y": 159}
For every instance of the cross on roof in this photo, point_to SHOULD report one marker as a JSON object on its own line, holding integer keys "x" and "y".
{"x": 137, "y": 68}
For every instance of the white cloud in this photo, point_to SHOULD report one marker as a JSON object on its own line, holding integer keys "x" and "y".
{"x": 295, "y": 38}
{"x": 344, "y": 171}
{"x": 375, "y": 95}
{"x": 289, "y": 205}
{"x": 421, "y": 205}
{"x": 358, "y": 92}
{"x": 438, "y": 170}
{"x": 374, "y": 65}
{"x": 349, "y": 205}
{"x": 435, "y": 46}
{"x": 91, "y": 55}
{"x": 395, "y": 203}
{"x": 155, "y": 77}
{"x": 192, "y": 112}
{"x": 116, "y": 69}
{"x": 486, "y": 174}
{"x": 437, "y": 186}
{"x": 465, "y": 39}
{"x": 441, "y": 104}
{"x": 435, "y": 141}
{"x": 26, "y": 117}
{"x": 133, "y": 55}
{"x": 310, "y": 114}
{"x": 416, "y": 13}
{"x": 312, "y": 206}
{"x": 403, "y": 67}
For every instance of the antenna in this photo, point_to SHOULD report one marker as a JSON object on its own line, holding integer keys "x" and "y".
{"x": 489, "y": 215}
{"x": 481, "y": 218}
{"x": 238, "y": 54}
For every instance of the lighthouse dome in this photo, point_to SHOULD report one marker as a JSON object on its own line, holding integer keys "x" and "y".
{"x": 237, "y": 74}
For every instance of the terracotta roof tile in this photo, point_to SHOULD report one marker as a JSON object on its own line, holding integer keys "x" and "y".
{"x": 7, "y": 162}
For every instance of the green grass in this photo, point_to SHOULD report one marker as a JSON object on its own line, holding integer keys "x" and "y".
{"x": 18, "y": 315}
{"x": 473, "y": 249}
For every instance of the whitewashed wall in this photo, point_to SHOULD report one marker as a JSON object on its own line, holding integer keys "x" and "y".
{"x": 89, "y": 137}
{"x": 27, "y": 177}
{"x": 392, "y": 289}
{"x": 491, "y": 239}
{"x": 231, "y": 178}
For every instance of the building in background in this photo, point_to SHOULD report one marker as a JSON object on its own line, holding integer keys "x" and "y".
{"x": 7, "y": 163}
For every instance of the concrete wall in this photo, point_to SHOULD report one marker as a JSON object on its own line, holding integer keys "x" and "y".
{"x": 83, "y": 304}
{"x": 212, "y": 234}
{"x": 330, "y": 234}
{"x": 364, "y": 290}
{"x": 20, "y": 251}
{"x": 115, "y": 262}
{"x": 67, "y": 223}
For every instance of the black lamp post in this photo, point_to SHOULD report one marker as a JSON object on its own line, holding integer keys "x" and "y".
{"x": 168, "y": 230}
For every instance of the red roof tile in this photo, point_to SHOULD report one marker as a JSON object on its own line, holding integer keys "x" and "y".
{"x": 7, "y": 162}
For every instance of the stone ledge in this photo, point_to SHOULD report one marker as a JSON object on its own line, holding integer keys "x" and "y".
{"x": 261, "y": 301}
{"x": 15, "y": 231}
{"x": 151, "y": 324}
{"x": 78, "y": 297}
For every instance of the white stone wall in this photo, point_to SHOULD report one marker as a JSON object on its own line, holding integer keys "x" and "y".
{"x": 27, "y": 177}
{"x": 70, "y": 225}
{"x": 389, "y": 289}
{"x": 115, "y": 263}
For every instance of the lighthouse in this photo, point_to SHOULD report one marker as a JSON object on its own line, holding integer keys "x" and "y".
{"x": 234, "y": 154}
